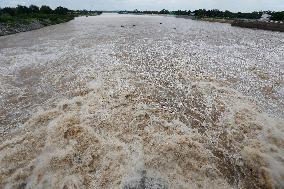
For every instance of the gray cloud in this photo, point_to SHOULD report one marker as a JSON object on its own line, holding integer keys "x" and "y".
{"x": 233, "y": 5}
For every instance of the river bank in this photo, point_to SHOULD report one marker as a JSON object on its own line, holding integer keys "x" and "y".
{"x": 219, "y": 20}
{"x": 272, "y": 26}
{"x": 27, "y": 25}
{"x": 251, "y": 24}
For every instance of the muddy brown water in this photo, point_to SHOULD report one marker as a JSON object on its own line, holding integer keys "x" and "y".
{"x": 183, "y": 104}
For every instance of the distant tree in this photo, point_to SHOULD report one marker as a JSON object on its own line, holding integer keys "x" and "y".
{"x": 84, "y": 11}
{"x": 277, "y": 16}
{"x": 164, "y": 11}
{"x": 34, "y": 9}
{"x": 180, "y": 12}
{"x": 200, "y": 13}
{"x": 22, "y": 10}
{"x": 45, "y": 9}
{"x": 228, "y": 14}
{"x": 10, "y": 11}
{"x": 61, "y": 10}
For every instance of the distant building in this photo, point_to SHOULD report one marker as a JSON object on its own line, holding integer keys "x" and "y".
{"x": 265, "y": 17}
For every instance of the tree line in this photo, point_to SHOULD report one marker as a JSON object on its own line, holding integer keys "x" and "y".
{"x": 33, "y": 9}
{"x": 214, "y": 13}
{"x": 44, "y": 14}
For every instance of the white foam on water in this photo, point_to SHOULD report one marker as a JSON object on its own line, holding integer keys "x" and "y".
{"x": 103, "y": 141}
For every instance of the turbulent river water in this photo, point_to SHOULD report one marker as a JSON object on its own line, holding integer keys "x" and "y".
{"x": 133, "y": 102}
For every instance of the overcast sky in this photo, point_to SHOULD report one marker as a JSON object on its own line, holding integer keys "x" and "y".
{"x": 232, "y": 5}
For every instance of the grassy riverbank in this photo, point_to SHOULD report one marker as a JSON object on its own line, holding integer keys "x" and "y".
{"x": 22, "y": 18}
{"x": 45, "y": 19}
{"x": 17, "y": 25}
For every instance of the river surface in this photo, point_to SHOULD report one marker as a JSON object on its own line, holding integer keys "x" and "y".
{"x": 125, "y": 101}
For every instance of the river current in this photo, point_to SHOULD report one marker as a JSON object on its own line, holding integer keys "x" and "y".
{"x": 140, "y": 101}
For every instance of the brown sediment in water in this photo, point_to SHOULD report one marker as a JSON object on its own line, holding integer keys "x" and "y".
{"x": 117, "y": 135}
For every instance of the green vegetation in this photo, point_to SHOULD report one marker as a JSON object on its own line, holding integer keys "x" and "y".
{"x": 279, "y": 16}
{"x": 215, "y": 13}
{"x": 202, "y": 13}
{"x": 26, "y": 15}
{"x": 44, "y": 14}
